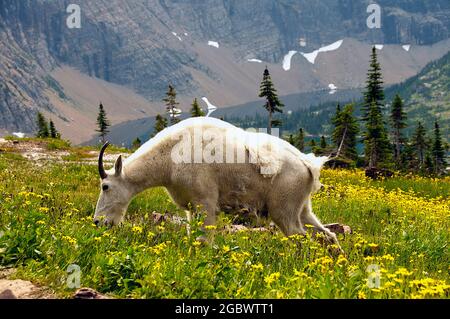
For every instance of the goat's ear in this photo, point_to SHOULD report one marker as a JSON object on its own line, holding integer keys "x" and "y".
{"x": 118, "y": 166}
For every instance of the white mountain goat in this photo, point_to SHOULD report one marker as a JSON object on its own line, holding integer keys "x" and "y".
{"x": 211, "y": 163}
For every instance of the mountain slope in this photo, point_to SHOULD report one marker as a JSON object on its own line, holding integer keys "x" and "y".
{"x": 143, "y": 45}
{"x": 427, "y": 95}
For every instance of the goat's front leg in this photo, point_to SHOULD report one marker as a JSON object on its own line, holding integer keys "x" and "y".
{"x": 210, "y": 219}
{"x": 308, "y": 217}
{"x": 206, "y": 199}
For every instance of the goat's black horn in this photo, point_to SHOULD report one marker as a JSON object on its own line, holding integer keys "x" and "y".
{"x": 101, "y": 169}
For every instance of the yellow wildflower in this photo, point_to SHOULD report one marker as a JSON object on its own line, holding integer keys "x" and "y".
{"x": 137, "y": 229}
{"x": 272, "y": 278}
{"x": 361, "y": 295}
{"x": 257, "y": 267}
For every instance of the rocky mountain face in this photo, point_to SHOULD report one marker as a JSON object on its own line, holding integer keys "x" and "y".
{"x": 146, "y": 44}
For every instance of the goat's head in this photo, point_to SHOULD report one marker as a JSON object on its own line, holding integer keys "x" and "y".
{"x": 115, "y": 193}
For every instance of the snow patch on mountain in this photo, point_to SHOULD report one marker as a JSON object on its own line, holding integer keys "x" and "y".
{"x": 19, "y": 134}
{"x": 175, "y": 34}
{"x": 213, "y": 44}
{"x": 311, "y": 57}
{"x": 333, "y": 88}
{"x": 254, "y": 60}
{"x": 287, "y": 60}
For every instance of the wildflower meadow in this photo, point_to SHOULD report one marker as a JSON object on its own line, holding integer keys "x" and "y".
{"x": 398, "y": 247}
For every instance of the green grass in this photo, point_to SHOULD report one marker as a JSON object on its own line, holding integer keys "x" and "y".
{"x": 51, "y": 144}
{"x": 401, "y": 225}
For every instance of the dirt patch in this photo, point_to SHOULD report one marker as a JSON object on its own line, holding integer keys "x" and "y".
{"x": 37, "y": 153}
{"x": 20, "y": 289}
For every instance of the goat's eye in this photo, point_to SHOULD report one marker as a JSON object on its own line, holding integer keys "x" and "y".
{"x": 105, "y": 187}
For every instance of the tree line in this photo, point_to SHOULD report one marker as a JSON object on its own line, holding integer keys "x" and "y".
{"x": 45, "y": 128}
{"x": 161, "y": 121}
{"x": 385, "y": 145}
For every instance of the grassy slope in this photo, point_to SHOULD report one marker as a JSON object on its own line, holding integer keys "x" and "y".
{"x": 401, "y": 225}
{"x": 427, "y": 95}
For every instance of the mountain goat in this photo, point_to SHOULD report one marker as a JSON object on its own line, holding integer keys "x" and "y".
{"x": 211, "y": 163}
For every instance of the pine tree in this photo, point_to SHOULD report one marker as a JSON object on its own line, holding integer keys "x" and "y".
{"x": 335, "y": 120}
{"x": 438, "y": 150}
{"x": 102, "y": 123}
{"x": 291, "y": 139}
{"x": 398, "y": 122}
{"x": 196, "y": 111}
{"x": 300, "y": 140}
{"x": 160, "y": 124}
{"x": 43, "y": 131}
{"x": 407, "y": 156}
{"x": 338, "y": 132}
{"x": 420, "y": 144}
{"x": 323, "y": 143}
{"x": 345, "y": 133}
{"x": 53, "y": 132}
{"x": 376, "y": 142}
{"x": 171, "y": 105}
{"x": 313, "y": 146}
{"x": 374, "y": 85}
{"x": 136, "y": 143}
{"x": 273, "y": 103}
{"x": 429, "y": 165}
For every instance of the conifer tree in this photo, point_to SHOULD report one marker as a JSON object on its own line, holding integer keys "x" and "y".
{"x": 300, "y": 140}
{"x": 136, "y": 143}
{"x": 313, "y": 146}
{"x": 102, "y": 123}
{"x": 398, "y": 122}
{"x": 429, "y": 165}
{"x": 160, "y": 124}
{"x": 374, "y": 85}
{"x": 438, "y": 150}
{"x": 336, "y": 118}
{"x": 273, "y": 103}
{"x": 43, "y": 131}
{"x": 376, "y": 142}
{"x": 171, "y": 105}
{"x": 53, "y": 132}
{"x": 291, "y": 139}
{"x": 196, "y": 111}
{"x": 408, "y": 156}
{"x": 345, "y": 133}
{"x": 323, "y": 143}
{"x": 420, "y": 144}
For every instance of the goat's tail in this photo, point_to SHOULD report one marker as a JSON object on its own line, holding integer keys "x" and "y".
{"x": 314, "y": 165}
